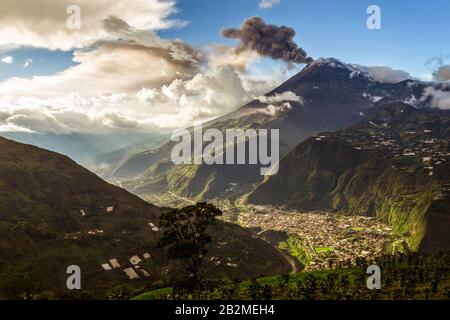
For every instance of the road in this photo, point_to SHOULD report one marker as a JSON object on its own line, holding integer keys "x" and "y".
{"x": 292, "y": 262}
{"x": 289, "y": 259}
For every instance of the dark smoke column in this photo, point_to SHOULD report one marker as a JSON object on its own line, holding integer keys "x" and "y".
{"x": 268, "y": 40}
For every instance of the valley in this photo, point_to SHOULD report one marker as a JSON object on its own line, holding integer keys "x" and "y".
{"x": 55, "y": 213}
{"x": 358, "y": 181}
{"x": 375, "y": 187}
{"x": 327, "y": 95}
{"x": 248, "y": 150}
{"x": 323, "y": 240}
{"x": 394, "y": 166}
{"x": 318, "y": 240}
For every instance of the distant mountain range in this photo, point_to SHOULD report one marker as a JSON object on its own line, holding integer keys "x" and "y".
{"x": 54, "y": 213}
{"x": 325, "y": 96}
{"x": 98, "y": 152}
{"x": 395, "y": 165}
{"x": 384, "y": 153}
{"x": 394, "y": 181}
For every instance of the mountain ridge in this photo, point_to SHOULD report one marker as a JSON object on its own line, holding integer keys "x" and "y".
{"x": 331, "y": 95}
{"x": 393, "y": 166}
{"x": 55, "y": 213}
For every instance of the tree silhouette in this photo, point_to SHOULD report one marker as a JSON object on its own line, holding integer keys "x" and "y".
{"x": 184, "y": 234}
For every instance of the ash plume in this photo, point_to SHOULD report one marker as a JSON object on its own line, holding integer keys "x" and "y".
{"x": 268, "y": 40}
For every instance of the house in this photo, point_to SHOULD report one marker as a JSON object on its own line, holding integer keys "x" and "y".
{"x": 135, "y": 260}
{"x": 114, "y": 263}
{"x": 106, "y": 267}
{"x": 146, "y": 255}
{"x": 131, "y": 273}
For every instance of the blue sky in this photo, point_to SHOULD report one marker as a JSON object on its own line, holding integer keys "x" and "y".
{"x": 44, "y": 62}
{"x": 412, "y": 32}
{"x": 134, "y": 78}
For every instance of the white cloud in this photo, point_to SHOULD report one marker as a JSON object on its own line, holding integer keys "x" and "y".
{"x": 107, "y": 69}
{"x": 181, "y": 103}
{"x": 7, "y": 59}
{"x": 280, "y": 97}
{"x": 126, "y": 77}
{"x": 138, "y": 59}
{"x": 384, "y": 74}
{"x": 439, "y": 98}
{"x": 268, "y": 4}
{"x": 278, "y": 103}
{"x": 22, "y": 26}
{"x": 208, "y": 95}
{"x": 27, "y": 63}
{"x": 275, "y": 110}
{"x": 71, "y": 113}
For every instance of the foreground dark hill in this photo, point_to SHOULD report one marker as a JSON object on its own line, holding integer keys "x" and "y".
{"x": 394, "y": 166}
{"x": 54, "y": 213}
{"x": 325, "y": 96}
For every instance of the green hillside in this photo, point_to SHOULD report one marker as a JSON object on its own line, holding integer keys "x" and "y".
{"x": 403, "y": 277}
{"x": 54, "y": 213}
{"x": 394, "y": 167}
{"x": 330, "y": 95}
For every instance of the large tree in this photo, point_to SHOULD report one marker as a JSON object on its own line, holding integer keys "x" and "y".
{"x": 185, "y": 234}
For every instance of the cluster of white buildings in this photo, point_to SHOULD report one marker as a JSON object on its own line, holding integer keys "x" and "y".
{"x": 131, "y": 267}
{"x": 325, "y": 236}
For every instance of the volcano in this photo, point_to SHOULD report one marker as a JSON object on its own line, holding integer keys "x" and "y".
{"x": 325, "y": 96}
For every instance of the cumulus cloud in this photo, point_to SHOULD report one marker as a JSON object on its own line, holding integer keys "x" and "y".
{"x": 439, "y": 96}
{"x": 128, "y": 78}
{"x": 278, "y": 103}
{"x": 280, "y": 97}
{"x": 43, "y": 24}
{"x": 65, "y": 114}
{"x": 7, "y": 59}
{"x": 206, "y": 96}
{"x": 275, "y": 110}
{"x": 181, "y": 103}
{"x": 107, "y": 69}
{"x": 60, "y": 121}
{"x": 138, "y": 59}
{"x": 384, "y": 74}
{"x": 268, "y": 4}
{"x": 276, "y": 42}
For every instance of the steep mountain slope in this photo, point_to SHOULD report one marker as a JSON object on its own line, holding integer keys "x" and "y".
{"x": 54, "y": 213}
{"x": 82, "y": 148}
{"x": 394, "y": 166}
{"x": 325, "y": 96}
{"x": 106, "y": 163}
